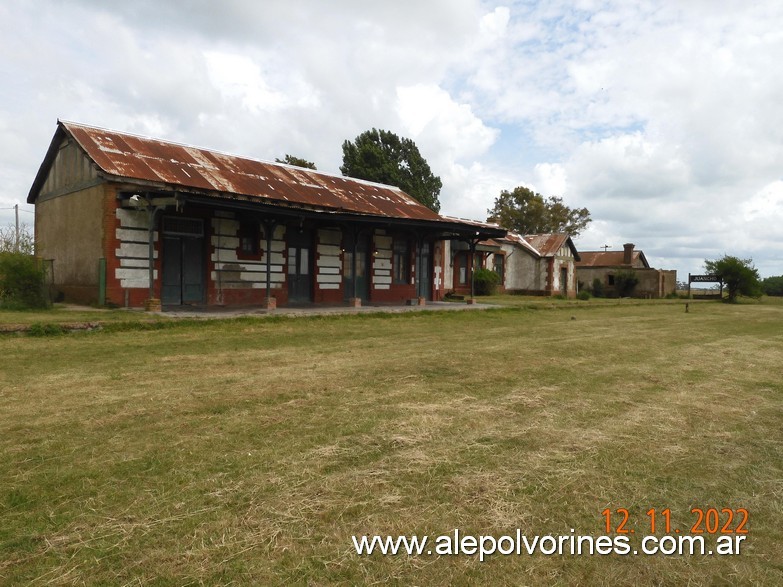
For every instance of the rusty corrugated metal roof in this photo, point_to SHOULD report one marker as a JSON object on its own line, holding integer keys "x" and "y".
{"x": 477, "y": 223}
{"x": 133, "y": 157}
{"x": 518, "y": 239}
{"x": 610, "y": 259}
{"x": 547, "y": 244}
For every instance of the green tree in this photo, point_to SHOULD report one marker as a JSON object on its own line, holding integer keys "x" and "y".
{"x": 383, "y": 157}
{"x": 296, "y": 161}
{"x": 772, "y": 286}
{"x": 528, "y": 212}
{"x": 739, "y": 275}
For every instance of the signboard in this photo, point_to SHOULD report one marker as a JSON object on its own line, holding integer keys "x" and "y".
{"x": 710, "y": 277}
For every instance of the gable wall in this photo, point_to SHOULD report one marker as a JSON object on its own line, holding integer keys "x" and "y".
{"x": 71, "y": 171}
{"x": 524, "y": 273}
{"x": 69, "y": 232}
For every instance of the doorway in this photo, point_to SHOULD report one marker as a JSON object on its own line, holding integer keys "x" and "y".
{"x": 424, "y": 272}
{"x": 299, "y": 272}
{"x": 564, "y": 281}
{"x": 183, "y": 261}
{"x": 361, "y": 279}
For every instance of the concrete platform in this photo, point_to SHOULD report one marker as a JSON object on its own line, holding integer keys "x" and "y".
{"x": 316, "y": 309}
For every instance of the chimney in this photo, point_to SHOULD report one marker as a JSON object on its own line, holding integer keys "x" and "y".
{"x": 628, "y": 254}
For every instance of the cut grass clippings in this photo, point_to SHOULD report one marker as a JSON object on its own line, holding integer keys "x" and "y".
{"x": 249, "y": 451}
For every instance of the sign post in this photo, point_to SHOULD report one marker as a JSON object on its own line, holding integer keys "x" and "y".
{"x": 707, "y": 278}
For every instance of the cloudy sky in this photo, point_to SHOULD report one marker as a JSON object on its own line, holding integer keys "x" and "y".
{"x": 663, "y": 117}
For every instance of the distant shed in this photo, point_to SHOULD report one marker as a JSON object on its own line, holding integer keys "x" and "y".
{"x": 604, "y": 266}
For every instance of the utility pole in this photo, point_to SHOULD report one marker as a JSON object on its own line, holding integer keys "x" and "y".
{"x": 16, "y": 242}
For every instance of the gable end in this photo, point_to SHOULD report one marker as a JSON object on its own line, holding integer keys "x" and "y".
{"x": 65, "y": 169}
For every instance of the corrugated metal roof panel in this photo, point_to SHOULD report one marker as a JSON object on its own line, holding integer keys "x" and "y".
{"x": 546, "y": 244}
{"x": 141, "y": 158}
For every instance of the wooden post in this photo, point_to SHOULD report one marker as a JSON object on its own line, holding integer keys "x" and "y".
{"x": 16, "y": 242}
{"x": 270, "y": 303}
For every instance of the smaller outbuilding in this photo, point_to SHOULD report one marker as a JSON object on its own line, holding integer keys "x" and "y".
{"x": 539, "y": 264}
{"x": 607, "y": 266}
{"x": 536, "y": 264}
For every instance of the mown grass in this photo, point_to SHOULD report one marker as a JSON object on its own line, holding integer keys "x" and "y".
{"x": 68, "y": 314}
{"x": 248, "y": 451}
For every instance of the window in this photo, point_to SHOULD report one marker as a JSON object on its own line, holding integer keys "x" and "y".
{"x": 610, "y": 279}
{"x": 176, "y": 225}
{"x": 462, "y": 268}
{"x": 248, "y": 239}
{"x": 401, "y": 261}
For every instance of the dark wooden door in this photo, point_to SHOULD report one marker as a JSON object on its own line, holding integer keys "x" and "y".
{"x": 357, "y": 274}
{"x": 424, "y": 272}
{"x": 183, "y": 270}
{"x": 299, "y": 267}
{"x": 183, "y": 266}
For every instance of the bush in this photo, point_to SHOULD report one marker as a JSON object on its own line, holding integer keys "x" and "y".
{"x": 583, "y": 295}
{"x": 625, "y": 281}
{"x": 22, "y": 281}
{"x": 39, "y": 329}
{"x": 598, "y": 288}
{"x": 485, "y": 282}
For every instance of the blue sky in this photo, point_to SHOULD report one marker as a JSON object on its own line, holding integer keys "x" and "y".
{"x": 663, "y": 118}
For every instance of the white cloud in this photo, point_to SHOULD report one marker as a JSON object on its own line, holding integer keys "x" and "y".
{"x": 661, "y": 117}
{"x": 240, "y": 77}
{"x": 493, "y": 26}
{"x": 429, "y": 113}
{"x": 551, "y": 179}
{"x": 627, "y": 166}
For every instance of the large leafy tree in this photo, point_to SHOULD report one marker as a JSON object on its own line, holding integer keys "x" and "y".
{"x": 773, "y": 286}
{"x": 739, "y": 275}
{"x": 528, "y": 212}
{"x": 296, "y": 161}
{"x": 382, "y": 156}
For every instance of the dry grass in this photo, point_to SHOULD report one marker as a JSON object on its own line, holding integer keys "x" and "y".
{"x": 249, "y": 451}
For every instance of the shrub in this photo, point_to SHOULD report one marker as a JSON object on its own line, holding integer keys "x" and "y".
{"x": 598, "y": 287}
{"x": 485, "y": 281}
{"x": 39, "y": 329}
{"x": 22, "y": 280}
{"x": 625, "y": 281}
{"x": 583, "y": 295}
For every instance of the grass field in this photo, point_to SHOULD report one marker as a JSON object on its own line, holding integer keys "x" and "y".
{"x": 249, "y": 451}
